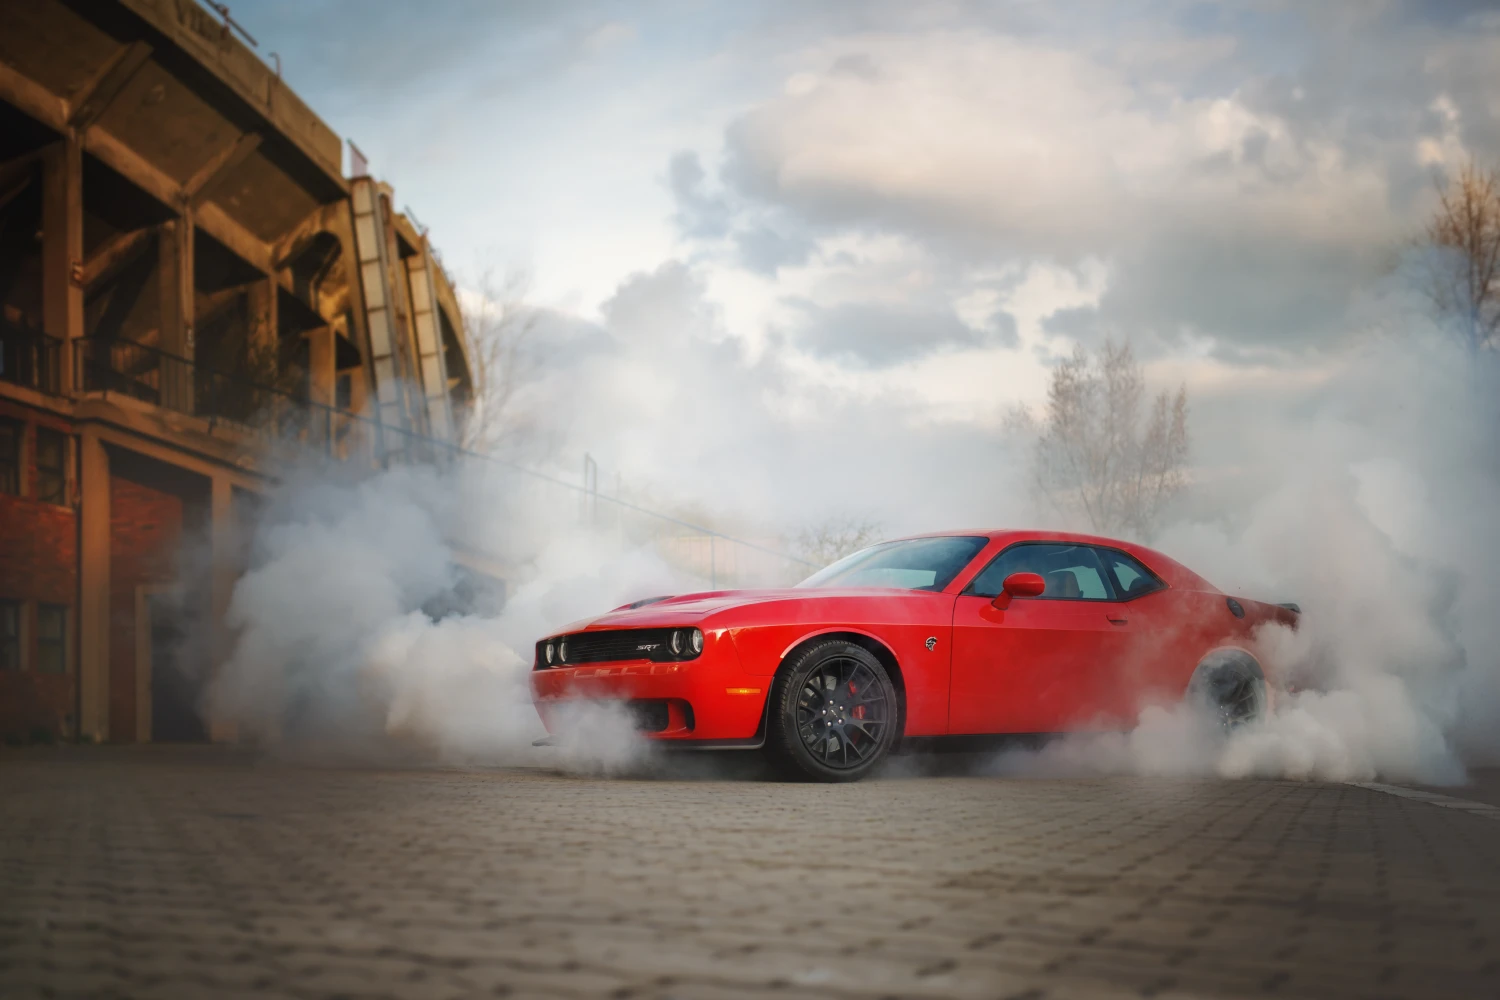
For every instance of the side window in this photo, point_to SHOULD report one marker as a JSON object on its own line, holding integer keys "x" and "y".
{"x": 10, "y": 456}
{"x": 51, "y": 466}
{"x": 1131, "y": 578}
{"x": 1072, "y": 572}
{"x": 52, "y": 638}
{"x": 10, "y": 635}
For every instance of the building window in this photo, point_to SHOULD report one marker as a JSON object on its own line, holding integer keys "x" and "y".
{"x": 52, "y": 638}
{"x": 10, "y": 456}
{"x": 51, "y": 466}
{"x": 10, "y": 635}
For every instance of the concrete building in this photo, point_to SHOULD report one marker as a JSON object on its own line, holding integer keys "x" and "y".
{"x": 187, "y": 277}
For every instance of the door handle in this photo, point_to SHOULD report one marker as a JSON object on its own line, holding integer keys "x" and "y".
{"x": 1117, "y": 621}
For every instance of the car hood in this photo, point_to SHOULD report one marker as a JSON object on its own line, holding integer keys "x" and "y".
{"x": 692, "y": 609}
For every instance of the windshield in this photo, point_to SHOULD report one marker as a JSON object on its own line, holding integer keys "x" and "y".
{"x": 909, "y": 564}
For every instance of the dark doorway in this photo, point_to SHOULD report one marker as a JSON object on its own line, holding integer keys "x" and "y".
{"x": 175, "y": 692}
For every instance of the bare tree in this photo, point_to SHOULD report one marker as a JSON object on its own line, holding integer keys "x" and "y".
{"x": 1464, "y": 272}
{"x": 829, "y": 541}
{"x": 1096, "y": 459}
{"x": 499, "y": 323}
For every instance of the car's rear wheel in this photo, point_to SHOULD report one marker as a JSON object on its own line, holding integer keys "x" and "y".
{"x": 1232, "y": 688}
{"x": 833, "y": 713}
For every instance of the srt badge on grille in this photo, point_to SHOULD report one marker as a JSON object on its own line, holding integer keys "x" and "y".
{"x": 646, "y": 647}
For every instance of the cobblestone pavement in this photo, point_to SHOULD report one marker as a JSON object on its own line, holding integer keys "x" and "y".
{"x": 203, "y": 872}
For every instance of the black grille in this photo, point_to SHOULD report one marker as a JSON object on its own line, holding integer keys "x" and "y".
{"x": 649, "y": 715}
{"x": 613, "y": 646}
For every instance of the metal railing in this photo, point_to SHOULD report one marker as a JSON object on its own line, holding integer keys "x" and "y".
{"x": 30, "y": 358}
{"x": 164, "y": 379}
{"x": 291, "y": 421}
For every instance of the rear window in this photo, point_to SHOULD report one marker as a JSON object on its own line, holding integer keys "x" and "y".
{"x": 1131, "y": 578}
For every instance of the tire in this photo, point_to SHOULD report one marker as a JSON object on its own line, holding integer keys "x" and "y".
{"x": 834, "y": 714}
{"x": 1232, "y": 687}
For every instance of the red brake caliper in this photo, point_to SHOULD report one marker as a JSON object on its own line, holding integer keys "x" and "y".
{"x": 859, "y": 710}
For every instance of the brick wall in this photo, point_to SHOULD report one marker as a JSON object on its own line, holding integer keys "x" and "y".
{"x": 38, "y": 551}
{"x": 38, "y": 563}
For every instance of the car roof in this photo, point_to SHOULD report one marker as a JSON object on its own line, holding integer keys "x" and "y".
{"x": 1176, "y": 574}
{"x": 1017, "y": 534}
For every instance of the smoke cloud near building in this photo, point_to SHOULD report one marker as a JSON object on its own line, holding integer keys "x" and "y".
{"x": 358, "y": 636}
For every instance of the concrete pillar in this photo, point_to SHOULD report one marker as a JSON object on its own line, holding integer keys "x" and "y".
{"x": 224, "y": 571}
{"x": 404, "y": 345}
{"x": 93, "y": 588}
{"x": 263, "y": 349}
{"x": 339, "y": 220}
{"x": 321, "y": 375}
{"x": 261, "y": 299}
{"x": 62, "y": 248}
{"x": 178, "y": 310}
{"x": 364, "y": 439}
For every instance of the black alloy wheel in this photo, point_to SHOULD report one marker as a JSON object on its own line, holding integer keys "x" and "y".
{"x": 834, "y": 713}
{"x": 1233, "y": 691}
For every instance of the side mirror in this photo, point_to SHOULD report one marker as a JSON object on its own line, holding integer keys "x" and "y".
{"x": 1019, "y": 585}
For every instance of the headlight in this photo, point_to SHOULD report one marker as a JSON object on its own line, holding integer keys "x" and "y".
{"x": 551, "y": 650}
{"x": 677, "y": 643}
{"x": 695, "y": 640}
{"x": 562, "y": 651}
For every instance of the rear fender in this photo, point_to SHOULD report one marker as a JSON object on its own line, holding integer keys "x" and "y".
{"x": 1230, "y": 654}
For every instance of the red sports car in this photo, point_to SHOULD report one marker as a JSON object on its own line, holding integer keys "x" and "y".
{"x": 957, "y": 635}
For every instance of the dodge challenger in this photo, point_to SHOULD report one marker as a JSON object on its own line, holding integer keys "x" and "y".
{"x": 952, "y": 638}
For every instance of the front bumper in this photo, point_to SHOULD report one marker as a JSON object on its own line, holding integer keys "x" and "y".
{"x": 707, "y": 699}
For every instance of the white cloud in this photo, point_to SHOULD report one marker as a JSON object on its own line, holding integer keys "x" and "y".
{"x": 1037, "y": 145}
{"x": 1445, "y": 149}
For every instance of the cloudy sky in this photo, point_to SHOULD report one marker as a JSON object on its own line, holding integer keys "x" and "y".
{"x": 848, "y": 236}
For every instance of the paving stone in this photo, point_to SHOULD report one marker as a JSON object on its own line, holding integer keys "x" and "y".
{"x": 167, "y": 872}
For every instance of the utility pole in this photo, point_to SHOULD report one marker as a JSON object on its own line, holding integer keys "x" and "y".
{"x": 590, "y": 512}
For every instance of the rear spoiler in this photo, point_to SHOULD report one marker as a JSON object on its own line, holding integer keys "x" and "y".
{"x": 1295, "y": 609}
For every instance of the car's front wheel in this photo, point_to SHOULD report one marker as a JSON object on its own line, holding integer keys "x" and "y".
{"x": 833, "y": 713}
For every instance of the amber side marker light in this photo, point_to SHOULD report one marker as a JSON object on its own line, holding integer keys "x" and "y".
{"x": 742, "y": 690}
